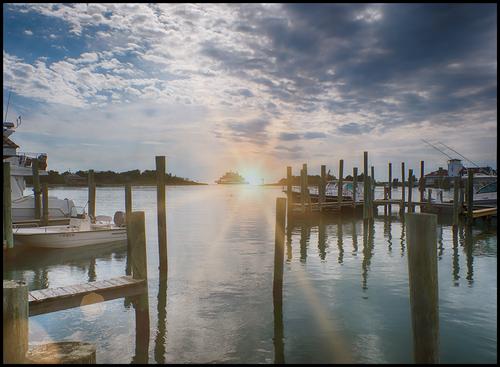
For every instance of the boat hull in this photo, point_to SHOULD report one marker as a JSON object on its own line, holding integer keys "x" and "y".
{"x": 53, "y": 239}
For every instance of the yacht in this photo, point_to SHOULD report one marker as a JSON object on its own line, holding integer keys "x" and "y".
{"x": 23, "y": 206}
{"x": 331, "y": 191}
{"x": 231, "y": 178}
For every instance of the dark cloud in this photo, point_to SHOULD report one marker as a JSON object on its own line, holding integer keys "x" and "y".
{"x": 354, "y": 128}
{"x": 296, "y": 136}
{"x": 253, "y": 131}
{"x": 433, "y": 61}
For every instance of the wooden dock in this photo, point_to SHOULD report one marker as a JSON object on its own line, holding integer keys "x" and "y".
{"x": 61, "y": 298}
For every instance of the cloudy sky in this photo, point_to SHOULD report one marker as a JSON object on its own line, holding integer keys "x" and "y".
{"x": 251, "y": 87}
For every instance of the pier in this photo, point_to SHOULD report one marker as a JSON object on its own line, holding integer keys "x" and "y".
{"x": 301, "y": 203}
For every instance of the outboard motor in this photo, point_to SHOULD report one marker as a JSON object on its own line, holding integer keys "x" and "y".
{"x": 119, "y": 218}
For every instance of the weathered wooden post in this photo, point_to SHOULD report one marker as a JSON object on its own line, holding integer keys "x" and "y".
{"x": 140, "y": 271}
{"x": 410, "y": 187}
{"x": 307, "y": 197}
{"x": 289, "y": 194}
{"x": 366, "y": 196}
{"x": 302, "y": 191}
{"x": 440, "y": 194}
{"x": 421, "y": 185}
{"x": 390, "y": 186}
{"x": 372, "y": 191}
{"x": 279, "y": 253}
{"x": 429, "y": 199}
{"x": 7, "y": 207}
{"x": 402, "y": 206}
{"x": 386, "y": 190}
{"x": 45, "y": 204}
{"x": 470, "y": 196}
{"x": 91, "y": 185}
{"x": 423, "y": 281}
{"x": 128, "y": 213}
{"x": 456, "y": 199}
{"x": 137, "y": 233}
{"x": 36, "y": 188}
{"x": 162, "y": 215}
{"x": 15, "y": 321}
{"x": 341, "y": 183}
{"x": 279, "y": 248}
{"x": 322, "y": 187}
{"x": 354, "y": 185}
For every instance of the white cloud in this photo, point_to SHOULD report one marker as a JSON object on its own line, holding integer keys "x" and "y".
{"x": 28, "y": 32}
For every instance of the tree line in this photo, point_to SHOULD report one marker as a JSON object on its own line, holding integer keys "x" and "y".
{"x": 134, "y": 177}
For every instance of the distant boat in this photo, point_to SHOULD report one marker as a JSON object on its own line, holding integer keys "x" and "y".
{"x": 81, "y": 231}
{"x": 231, "y": 178}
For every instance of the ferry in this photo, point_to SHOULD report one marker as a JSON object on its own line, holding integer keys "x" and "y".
{"x": 231, "y": 178}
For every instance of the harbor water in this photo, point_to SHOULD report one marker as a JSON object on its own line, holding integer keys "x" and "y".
{"x": 345, "y": 288}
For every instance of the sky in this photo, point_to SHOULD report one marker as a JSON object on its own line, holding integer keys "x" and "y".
{"x": 251, "y": 87}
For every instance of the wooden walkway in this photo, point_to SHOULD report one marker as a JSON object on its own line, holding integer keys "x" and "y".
{"x": 61, "y": 298}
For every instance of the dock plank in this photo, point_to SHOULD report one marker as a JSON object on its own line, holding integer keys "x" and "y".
{"x": 61, "y": 298}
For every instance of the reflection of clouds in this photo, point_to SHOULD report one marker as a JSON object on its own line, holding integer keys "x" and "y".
{"x": 92, "y": 306}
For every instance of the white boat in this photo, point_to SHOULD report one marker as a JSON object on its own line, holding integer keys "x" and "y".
{"x": 23, "y": 206}
{"x": 81, "y": 231}
{"x": 486, "y": 195}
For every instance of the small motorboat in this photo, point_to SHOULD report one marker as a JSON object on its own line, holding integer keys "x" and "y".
{"x": 81, "y": 231}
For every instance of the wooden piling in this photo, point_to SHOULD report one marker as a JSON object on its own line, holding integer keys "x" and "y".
{"x": 322, "y": 187}
{"x": 456, "y": 201}
{"x": 162, "y": 215}
{"x": 386, "y": 189}
{"x": 137, "y": 233}
{"x": 429, "y": 198}
{"x": 421, "y": 185}
{"x": 372, "y": 191}
{"x": 470, "y": 196}
{"x": 7, "y": 207}
{"x": 128, "y": 212}
{"x": 289, "y": 194}
{"x": 354, "y": 185}
{"x": 390, "y": 187}
{"x": 410, "y": 189}
{"x": 91, "y": 196}
{"x": 402, "y": 206}
{"x": 366, "y": 195}
{"x": 423, "y": 281}
{"x": 45, "y": 204}
{"x": 15, "y": 321}
{"x": 341, "y": 182}
{"x": 302, "y": 191}
{"x": 279, "y": 253}
{"x": 36, "y": 188}
{"x": 279, "y": 247}
{"x": 307, "y": 197}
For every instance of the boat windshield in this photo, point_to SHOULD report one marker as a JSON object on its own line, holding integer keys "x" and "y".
{"x": 492, "y": 187}
{"x": 77, "y": 212}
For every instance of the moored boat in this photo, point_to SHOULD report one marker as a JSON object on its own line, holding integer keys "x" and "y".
{"x": 81, "y": 231}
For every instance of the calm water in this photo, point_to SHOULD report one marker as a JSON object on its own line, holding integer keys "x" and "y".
{"x": 345, "y": 291}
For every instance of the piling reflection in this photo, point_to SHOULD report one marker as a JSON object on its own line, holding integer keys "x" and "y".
{"x": 289, "y": 230}
{"x": 340, "y": 243}
{"x": 468, "y": 247}
{"x": 402, "y": 237}
{"x": 440, "y": 242}
{"x": 141, "y": 306}
{"x": 388, "y": 231}
{"x": 354, "y": 239}
{"x": 160, "y": 339}
{"x": 322, "y": 238}
{"x": 455, "y": 261}
{"x": 91, "y": 273}
{"x": 368, "y": 235}
{"x": 305, "y": 235}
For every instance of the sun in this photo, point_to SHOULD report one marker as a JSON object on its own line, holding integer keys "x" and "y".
{"x": 252, "y": 175}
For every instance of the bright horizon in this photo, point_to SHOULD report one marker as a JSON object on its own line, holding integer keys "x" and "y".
{"x": 252, "y": 88}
